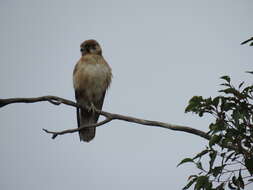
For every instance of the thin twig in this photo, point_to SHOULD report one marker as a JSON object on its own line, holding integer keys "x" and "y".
{"x": 55, "y": 134}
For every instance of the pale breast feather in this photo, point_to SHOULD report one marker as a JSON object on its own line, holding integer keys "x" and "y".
{"x": 94, "y": 79}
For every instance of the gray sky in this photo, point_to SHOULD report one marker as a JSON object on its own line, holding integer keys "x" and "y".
{"x": 161, "y": 52}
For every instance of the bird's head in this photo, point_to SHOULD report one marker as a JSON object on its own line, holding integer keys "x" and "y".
{"x": 90, "y": 47}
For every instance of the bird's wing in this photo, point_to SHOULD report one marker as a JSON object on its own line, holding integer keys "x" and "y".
{"x": 99, "y": 105}
{"x": 85, "y": 117}
{"x": 77, "y": 109}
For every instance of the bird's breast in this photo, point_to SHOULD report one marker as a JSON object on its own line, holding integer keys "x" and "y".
{"x": 92, "y": 79}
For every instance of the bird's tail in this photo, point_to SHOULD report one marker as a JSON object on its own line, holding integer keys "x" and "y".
{"x": 86, "y": 118}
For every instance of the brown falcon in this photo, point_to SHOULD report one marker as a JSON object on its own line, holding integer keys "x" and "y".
{"x": 91, "y": 78}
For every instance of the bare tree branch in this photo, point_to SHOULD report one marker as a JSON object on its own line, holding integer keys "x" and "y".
{"x": 52, "y": 99}
{"x": 55, "y": 134}
{"x": 109, "y": 117}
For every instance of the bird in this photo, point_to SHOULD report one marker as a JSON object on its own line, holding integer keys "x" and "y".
{"x": 92, "y": 77}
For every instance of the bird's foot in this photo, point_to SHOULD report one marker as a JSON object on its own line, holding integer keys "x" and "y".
{"x": 92, "y": 108}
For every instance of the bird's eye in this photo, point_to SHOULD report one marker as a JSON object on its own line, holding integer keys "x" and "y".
{"x": 82, "y": 49}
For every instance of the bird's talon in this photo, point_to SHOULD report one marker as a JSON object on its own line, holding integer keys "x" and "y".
{"x": 92, "y": 108}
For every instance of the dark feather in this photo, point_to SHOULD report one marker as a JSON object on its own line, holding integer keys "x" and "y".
{"x": 85, "y": 117}
{"x": 99, "y": 105}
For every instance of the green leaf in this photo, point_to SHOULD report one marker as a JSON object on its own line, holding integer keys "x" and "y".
{"x": 199, "y": 155}
{"x": 185, "y": 160}
{"x": 240, "y": 180}
{"x": 250, "y": 179}
{"x": 189, "y": 184}
{"x": 217, "y": 127}
{"x": 229, "y": 156}
{"x": 225, "y": 84}
{"x": 234, "y": 180}
{"x": 230, "y": 91}
{"x": 212, "y": 156}
{"x": 217, "y": 170}
{"x": 220, "y": 187}
{"x": 227, "y": 106}
{"x": 249, "y": 165}
{"x": 230, "y": 185}
{"x": 240, "y": 85}
{"x": 226, "y": 78}
{"x": 214, "y": 139}
{"x": 216, "y": 101}
{"x": 247, "y": 90}
{"x": 202, "y": 182}
{"x": 201, "y": 113}
{"x": 199, "y": 165}
{"x": 194, "y": 104}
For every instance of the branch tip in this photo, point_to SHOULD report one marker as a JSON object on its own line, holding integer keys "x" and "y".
{"x": 54, "y": 136}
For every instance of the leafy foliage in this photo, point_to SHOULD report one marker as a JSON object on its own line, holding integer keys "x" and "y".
{"x": 230, "y": 147}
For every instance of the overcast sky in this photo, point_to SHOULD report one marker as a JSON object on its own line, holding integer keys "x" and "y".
{"x": 161, "y": 52}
